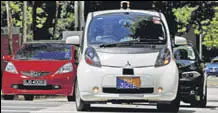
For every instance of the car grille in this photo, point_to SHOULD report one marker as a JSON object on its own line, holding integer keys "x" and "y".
{"x": 128, "y": 91}
{"x": 213, "y": 69}
{"x": 35, "y": 73}
{"x": 47, "y": 87}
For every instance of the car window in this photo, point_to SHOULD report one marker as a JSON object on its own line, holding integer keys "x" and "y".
{"x": 215, "y": 61}
{"x": 184, "y": 53}
{"x": 44, "y": 51}
{"x": 120, "y": 27}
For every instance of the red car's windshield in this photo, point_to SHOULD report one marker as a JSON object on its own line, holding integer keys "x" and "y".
{"x": 44, "y": 51}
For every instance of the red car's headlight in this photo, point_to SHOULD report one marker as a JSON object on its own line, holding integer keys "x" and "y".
{"x": 11, "y": 68}
{"x": 68, "y": 67}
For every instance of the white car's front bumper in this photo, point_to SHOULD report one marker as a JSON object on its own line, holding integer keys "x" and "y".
{"x": 165, "y": 77}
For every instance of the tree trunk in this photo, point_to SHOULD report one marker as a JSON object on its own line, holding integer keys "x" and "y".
{"x": 9, "y": 27}
{"x": 34, "y": 20}
{"x": 76, "y": 5}
{"x": 24, "y": 22}
{"x": 81, "y": 15}
{"x": 56, "y": 18}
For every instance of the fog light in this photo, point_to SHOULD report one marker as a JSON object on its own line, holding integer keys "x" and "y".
{"x": 95, "y": 89}
{"x": 192, "y": 92}
{"x": 15, "y": 86}
{"x": 56, "y": 86}
{"x": 197, "y": 98}
{"x": 160, "y": 90}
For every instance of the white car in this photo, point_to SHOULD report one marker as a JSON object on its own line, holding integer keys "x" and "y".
{"x": 126, "y": 56}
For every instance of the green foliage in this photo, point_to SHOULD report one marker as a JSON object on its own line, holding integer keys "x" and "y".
{"x": 66, "y": 18}
{"x": 41, "y": 17}
{"x": 209, "y": 29}
{"x": 183, "y": 16}
{"x": 211, "y": 35}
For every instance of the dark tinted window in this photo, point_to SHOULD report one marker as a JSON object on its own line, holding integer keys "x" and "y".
{"x": 119, "y": 27}
{"x": 215, "y": 61}
{"x": 44, "y": 51}
{"x": 184, "y": 53}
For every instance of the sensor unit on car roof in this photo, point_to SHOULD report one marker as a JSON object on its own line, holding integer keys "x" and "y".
{"x": 124, "y": 4}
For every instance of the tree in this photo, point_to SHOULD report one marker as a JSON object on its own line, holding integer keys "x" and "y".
{"x": 183, "y": 17}
{"x": 211, "y": 34}
{"x": 56, "y": 17}
{"x": 65, "y": 19}
{"x": 24, "y": 21}
{"x": 9, "y": 27}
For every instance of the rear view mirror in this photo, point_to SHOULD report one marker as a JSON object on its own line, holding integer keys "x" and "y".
{"x": 7, "y": 57}
{"x": 75, "y": 40}
{"x": 180, "y": 40}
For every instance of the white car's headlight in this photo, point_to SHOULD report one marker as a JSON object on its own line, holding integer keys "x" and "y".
{"x": 11, "y": 68}
{"x": 65, "y": 69}
{"x": 163, "y": 57}
{"x": 91, "y": 57}
{"x": 190, "y": 74}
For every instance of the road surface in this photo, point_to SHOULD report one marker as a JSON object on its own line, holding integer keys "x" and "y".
{"x": 61, "y": 105}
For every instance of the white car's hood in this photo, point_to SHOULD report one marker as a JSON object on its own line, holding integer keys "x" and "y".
{"x": 125, "y": 60}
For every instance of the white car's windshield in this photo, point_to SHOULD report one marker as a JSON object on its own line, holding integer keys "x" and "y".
{"x": 122, "y": 27}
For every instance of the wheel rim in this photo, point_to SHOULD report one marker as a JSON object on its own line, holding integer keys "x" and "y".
{"x": 77, "y": 95}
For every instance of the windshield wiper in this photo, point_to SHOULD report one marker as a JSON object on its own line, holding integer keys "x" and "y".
{"x": 119, "y": 43}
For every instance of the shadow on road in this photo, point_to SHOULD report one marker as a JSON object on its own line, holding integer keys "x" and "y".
{"x": 131, "y": 110}
{"x": 209, "y": 107}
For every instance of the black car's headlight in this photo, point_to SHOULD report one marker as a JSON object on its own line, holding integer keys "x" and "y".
{"x": 190, "y": 74}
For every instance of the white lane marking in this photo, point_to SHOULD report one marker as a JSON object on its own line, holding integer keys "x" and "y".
{"x": 3, "y": 106}
{"x": 17, "y": 111}
{"x": 53, "y": 111}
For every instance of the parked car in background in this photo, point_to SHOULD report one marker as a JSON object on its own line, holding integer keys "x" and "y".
{"x": 193, "y": 80}
{"x": 212, "y": 67}
{"x": 40, "y": 68}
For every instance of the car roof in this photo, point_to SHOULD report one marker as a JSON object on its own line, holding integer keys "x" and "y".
{"x": 150, "y": 12}
{"x": 216, "y": 58}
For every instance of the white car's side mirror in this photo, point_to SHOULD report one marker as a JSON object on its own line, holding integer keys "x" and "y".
{"x": 180, "y": 40}
{"x": 75, "y": 40}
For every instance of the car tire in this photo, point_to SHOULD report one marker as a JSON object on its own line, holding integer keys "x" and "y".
{"x": 80, "y": 104}
{"x": 203, "y": 102}
{"x": 172, "y": 107}
{"x": 8, "y": 97}
{"x": 29, "y": 97}
{"x": 72, "y": 98}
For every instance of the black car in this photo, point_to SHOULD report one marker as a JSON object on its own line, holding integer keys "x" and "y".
{"x": 193, "y": 81}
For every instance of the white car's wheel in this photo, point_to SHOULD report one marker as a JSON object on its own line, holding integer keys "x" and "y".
{"x": 80, "y": 104}
{"x": 172, "y": 107}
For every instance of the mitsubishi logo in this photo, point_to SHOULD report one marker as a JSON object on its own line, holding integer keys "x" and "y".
{"x": 128, "y": 64}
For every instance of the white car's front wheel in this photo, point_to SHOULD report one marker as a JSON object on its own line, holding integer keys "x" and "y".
{"x": 80, "y": 104}
{"x": 172, "y": 107}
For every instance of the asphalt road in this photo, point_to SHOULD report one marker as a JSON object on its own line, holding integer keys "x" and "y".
{"x": 61, "y": 105}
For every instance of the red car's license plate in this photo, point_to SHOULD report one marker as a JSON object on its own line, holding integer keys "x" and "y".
{"x": 34, "y": 82}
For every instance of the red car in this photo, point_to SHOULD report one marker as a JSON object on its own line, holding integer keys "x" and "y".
{"x": 40, "y": 68}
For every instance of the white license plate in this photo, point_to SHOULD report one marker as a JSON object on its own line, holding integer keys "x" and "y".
{"x": 34, "y": 82}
